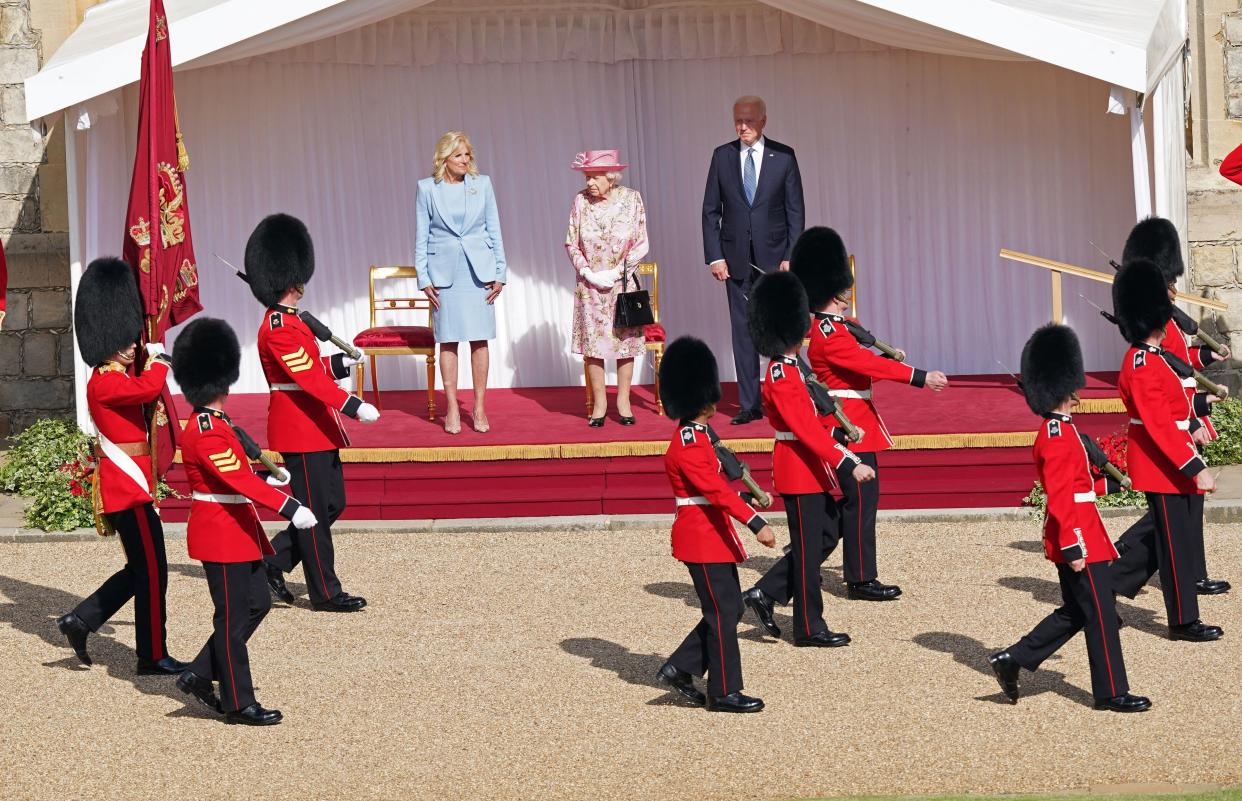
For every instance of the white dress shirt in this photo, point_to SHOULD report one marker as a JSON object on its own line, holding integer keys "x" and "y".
{"x": 758, "y": 148}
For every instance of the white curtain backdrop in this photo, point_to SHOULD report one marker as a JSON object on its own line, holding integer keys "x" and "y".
{"x": 927, "y": 164}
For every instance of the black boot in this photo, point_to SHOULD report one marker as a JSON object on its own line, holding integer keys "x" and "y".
{"x": 76, "y": 632}
{"x": 1209, "y": 586}
{"x": 254, "y": 715}
{"x": 762, "y": 605}
{"x": 734, "y": 702}
{"x": 1124, "y": 703}
{"x": 161, "y": 667}
{"x": 1006, "y": 670}
{"x": 1196, "y": 631}
{"x": 823, "y": 639}
{"x": 680, "y": 682}
{"x": 276, "y": 580}
{"x": 872, "y": 591}
{"x": 342, "y": 602}
{"x": 193, "y": 684}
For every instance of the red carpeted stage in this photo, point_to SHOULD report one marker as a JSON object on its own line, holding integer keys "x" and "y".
{"x": 965, "y": 447}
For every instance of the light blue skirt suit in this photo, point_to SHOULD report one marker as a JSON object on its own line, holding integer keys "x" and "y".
{"x": 458, "y": 250}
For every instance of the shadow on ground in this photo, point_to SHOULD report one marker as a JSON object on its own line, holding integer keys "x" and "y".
{"x": 974, "y": 654}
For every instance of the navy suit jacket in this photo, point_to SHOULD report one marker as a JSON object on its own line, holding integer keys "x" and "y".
{"x": 771, "y": 224}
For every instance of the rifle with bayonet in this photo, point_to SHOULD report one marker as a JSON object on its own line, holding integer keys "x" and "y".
{"x": 1182, "y": 368}
{"x": 321, "y": 331}
{"x": 1184, "y": 321}
{"x": 253, "y": 451}
{"x": 737, "y": 470}
{"x": 1098, "y": 458}
{"x": 825, "y": 404}
{"x": 869, "y": 340}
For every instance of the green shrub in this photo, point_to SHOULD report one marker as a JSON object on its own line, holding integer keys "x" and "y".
{"x": 51, "y": 462}
{"x": 1227, "y": 419}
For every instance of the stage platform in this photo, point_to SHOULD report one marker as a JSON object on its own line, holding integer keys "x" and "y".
{"x": 966, "y": 447}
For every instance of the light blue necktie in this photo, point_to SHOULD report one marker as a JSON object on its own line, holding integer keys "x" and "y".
{"x": 748, "y": 176}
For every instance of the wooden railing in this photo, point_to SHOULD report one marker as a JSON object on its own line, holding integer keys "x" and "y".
{"x": 1058, "y": 268}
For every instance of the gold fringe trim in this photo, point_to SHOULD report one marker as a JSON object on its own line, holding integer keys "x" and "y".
{"x": 1100, "y": 406}
{"x": 599, "y": 450}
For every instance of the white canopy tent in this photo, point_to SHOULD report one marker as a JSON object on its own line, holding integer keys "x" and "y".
{"x": 930, "y": 134}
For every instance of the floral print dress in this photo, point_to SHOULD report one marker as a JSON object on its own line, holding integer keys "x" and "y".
{"x": 602, "y": 235}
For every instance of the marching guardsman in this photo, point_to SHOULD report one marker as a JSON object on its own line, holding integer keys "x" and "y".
{"x": 1075, "y": 539}
{"x": 703, "y": 536}
{"x": 842, "y": 360}
{"x": 224, "y": 532}
{"x": 805, "y": 458}
{"x": 107, "y": 321}
{"x": 1162, "y": 456}
{"x": 1157, "y": 240}
{"x": 304, "y": 411}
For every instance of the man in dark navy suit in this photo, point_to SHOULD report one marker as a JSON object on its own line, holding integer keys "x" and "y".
{"x": 752, "y": 215}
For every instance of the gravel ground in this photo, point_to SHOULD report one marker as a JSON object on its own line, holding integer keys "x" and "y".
{"x": 507, "y": 666}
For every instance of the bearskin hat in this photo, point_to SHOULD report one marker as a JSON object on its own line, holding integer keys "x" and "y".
{"x": 1051, "y": 367}
{"x": 689, "y": 381}
{"x": 107, "y": 311}
{"x": 279, "y": 255}
{"x": 1140, "y": 299}
{"x": 778, "y": 315}
{"x": 820, "y": 261}
{"x": 206, "y": 360}
{"x": 1156, "y": 239}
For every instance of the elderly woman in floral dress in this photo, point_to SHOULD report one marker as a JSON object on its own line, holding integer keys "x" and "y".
{"x": 607, "y": 238}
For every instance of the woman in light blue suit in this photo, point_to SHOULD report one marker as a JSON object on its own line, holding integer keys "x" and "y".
{"x": 461, "y": 266}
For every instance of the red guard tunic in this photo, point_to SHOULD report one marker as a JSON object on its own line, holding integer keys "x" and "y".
{"x": 805, "y": 454}
{"x": 1176, "y": 342}
{"x": 226, "y": 529}
{"x": 702, "y": 531}
{"x": 1072, "y": 527}
{"x": 304, "y": 409}
{"x": 115, "y": 400}
{"x": 848, "y": 370}
{"x": 1161, "y": 456}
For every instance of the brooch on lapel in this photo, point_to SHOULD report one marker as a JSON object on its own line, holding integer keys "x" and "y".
{"x": 472, "y": 191}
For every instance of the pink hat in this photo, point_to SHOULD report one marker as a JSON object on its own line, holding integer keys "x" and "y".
{"x": 597, "y": 161}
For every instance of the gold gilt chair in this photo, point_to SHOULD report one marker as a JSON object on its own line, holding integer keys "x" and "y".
{"x": 653, "y": 334}
{"x": 397, "y": 340}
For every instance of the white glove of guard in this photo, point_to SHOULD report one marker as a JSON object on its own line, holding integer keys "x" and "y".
{"x": 367, "y": 413}
{"x": 156, "y": 349}
{"x": 350, "y": 361}
{"x": 304, "y": 518}
{"x": 272, "y": 481}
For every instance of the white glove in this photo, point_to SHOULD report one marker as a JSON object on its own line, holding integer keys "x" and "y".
{"x": 367, "y": 413}
{"x": 272, "y": 481}
{"x": 304, "y": 518}
{"x": 156, "y": 349}
{"x": 611, "y": 276}
{"x": 598, "y": 280}
{"x": 350, "y": 361}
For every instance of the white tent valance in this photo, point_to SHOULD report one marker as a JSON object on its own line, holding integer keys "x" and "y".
{"x": 1129, "y": 43}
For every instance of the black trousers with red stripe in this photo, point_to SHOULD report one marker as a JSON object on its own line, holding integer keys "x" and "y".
{"x": 814, "y": 529}
{"x": 1088, "y": 607}
{"x": 315, "y": 479}
{"x": 1139, "y": 555}
{"x": 711, "y": 647}
{"x": 1178, "y": 522}
{"x": 242, "y": 599}
{"x": 859, "y": 503}
{"x": 144, "y": 578}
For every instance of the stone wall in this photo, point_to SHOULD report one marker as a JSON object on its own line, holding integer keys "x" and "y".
{"x": 36, "y": 347}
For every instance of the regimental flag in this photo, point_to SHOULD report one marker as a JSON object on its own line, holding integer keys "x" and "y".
{"x": 157, "y": 221}
{"x": 4, "y": 284}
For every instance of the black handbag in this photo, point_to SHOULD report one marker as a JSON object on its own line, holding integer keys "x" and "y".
{"x": 633, "y": 308}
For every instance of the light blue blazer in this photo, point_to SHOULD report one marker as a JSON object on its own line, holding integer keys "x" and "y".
{"x": 439, "y": 246}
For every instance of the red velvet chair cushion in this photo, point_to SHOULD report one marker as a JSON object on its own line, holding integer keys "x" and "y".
{"x": 396, "y": 336}
{"x": 654, "y": 333}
